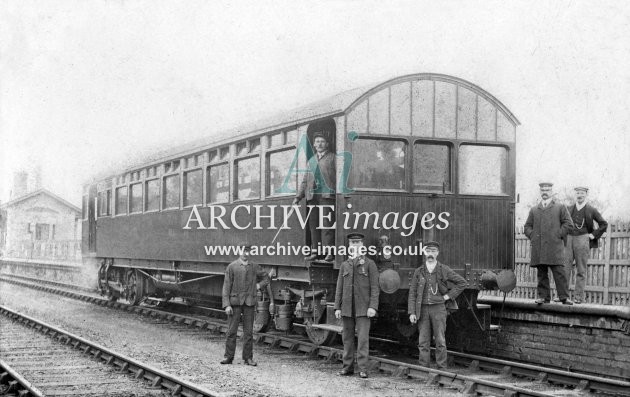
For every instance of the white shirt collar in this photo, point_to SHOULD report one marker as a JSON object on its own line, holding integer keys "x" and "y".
{"x": 320, "y": 155}
{"x": 546, "y": 202}
{"x": 580, "y": 206}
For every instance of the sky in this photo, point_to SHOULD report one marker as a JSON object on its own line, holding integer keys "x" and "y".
{"x": 88, "y": 86}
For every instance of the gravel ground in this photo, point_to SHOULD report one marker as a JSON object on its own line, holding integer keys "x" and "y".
{"x": 195, "y": 355}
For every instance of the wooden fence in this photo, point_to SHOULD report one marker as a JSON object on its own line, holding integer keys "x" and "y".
{"x": 607, "y": 273}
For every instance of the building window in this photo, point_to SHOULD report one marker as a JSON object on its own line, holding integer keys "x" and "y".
{"x": 84, "y": 209}
{"x": 247, "y": 178}
{"x": 193, "y": 187}
{"x": 483, "y": 170}
{"x": 278, "y": 166}
{"x": 431, "y": 167}
{"x": 152, "y": 197}
{"x": 121, "y": 200}
{"x": 218, "y": 184}
{"x": 135, "y": 200}
{"x": 41, "y": 231}
{"x": 171, "y": 192}
{"x": 378, "y": 164}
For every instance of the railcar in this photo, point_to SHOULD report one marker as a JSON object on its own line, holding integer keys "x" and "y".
{"x": 418, "y": 144}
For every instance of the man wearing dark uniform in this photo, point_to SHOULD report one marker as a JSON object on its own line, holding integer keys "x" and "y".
{"x": 547, "y": 226}
{"x": 356, "y": 301}
{"x": 581, "y": 239}
{"x": 242, "y": 280}
{"x": 319, "y": 190}
{"x": 429, "y": 297}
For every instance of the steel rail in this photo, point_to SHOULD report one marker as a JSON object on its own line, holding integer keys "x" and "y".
{"x": 125, "y": 364}
{"x": 467, "y": 384}
{"x": 16, "y": 383}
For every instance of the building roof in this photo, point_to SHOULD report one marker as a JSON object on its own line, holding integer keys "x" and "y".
{"x": 37, "y": 193}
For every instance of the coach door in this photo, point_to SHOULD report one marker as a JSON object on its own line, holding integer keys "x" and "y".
{"x": 92, "y": 218}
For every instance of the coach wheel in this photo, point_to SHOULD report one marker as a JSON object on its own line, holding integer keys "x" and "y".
{"x": 320, "y": 336}
{"x": 134, "y": 290}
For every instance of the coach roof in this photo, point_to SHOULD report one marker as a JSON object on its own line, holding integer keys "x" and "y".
{"x": 329, "y": 107}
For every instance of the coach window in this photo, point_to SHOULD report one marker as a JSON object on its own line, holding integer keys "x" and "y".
{"x": 121, "y": 200}
{"x": 135, "y": 199}
{"x": 193, "y": 185}
{"x": 104, "y": 203}
{"x": 482, "y": 170}
{"x": 152, "y": 195}
{"x": 431, "y": 167}
{"x": 171, "y": 192}
{"x": 218, "y": 184}
{"x": 378, "y": 164}
{"x": 278, "y": 167}
{"x": 247, "y": 178}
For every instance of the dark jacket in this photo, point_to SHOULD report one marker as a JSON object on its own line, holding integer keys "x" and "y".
{"x": 547, "y": 228}
{"x": 326, "y": 171}
{"x": 445, "y": 277}
{"x": 239, "y": 284}
{"x": 590, "y": 214}
{"x": 359, "y": 280}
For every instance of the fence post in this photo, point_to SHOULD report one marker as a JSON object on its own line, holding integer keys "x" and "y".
{"x": 607, "y": 250}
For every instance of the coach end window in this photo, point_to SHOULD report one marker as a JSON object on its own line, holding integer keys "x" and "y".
{"x": 482, "y": 170}
{"x": 247, "y": 178}
{"x": 278, "y": 167}
{"x": 171, "y": 192}
{"x": 193, "y": 187}
{"x": 121, "y": 200}
{"x": 431, "y": 167}
{"x": 378, "y": 164}
{"x": 218, "y": 184}
{"x": 152, "y": 195}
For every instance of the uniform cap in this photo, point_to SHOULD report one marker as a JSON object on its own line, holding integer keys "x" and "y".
{"x": 582, "y": 188}
{"x": 543, "y": 184}
{"x": 355, "y": 236}
{"x": 432, "y": 244}
{"x": 321, "y": 134}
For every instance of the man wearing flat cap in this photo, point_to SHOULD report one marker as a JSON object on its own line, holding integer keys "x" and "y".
{"x": 547, "y": 226}
{"x": 319, "y": 190}
{"x": 356, "y": 301}
{"x": 429, "y": 296}
{"x": 581, "y": 239}
{"x": 242, "y": 280}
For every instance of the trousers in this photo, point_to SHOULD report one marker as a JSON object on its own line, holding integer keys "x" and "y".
{"x": 362, "y": 326}
{"x": 559, "y": 276}
{"x": 247, "y": 312}
{"x": 577, "y": 249}
{"x": 325, "y": 237}
{"x": 432, "y": 320}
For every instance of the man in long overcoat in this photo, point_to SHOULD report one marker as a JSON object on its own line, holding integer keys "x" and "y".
{"x": 547, "y": 227}
{"x": 356, "y": 301}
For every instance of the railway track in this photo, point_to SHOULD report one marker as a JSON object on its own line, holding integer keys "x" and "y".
{"x": 42, "y": 360}
{"x": 478, "y": 375}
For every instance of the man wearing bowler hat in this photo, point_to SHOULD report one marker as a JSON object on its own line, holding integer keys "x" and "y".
{"x": 547, "y": 226}
{"x": 242, "y": 280}
{"x": 429, "y": 298}
{"x": 581, "y": 239}
{"x": 356, "y": 301}
{"x": 319, "y": 189}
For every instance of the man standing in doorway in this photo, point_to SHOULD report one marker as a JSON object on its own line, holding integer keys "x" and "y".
{"x": 547, "y": 226}
{"x": 319, "y": 189}
{"x": 581, "y": 239}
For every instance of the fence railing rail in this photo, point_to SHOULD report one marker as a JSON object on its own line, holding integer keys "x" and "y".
{"x": 66, "y": 250}
{"x": 607, "y": 273}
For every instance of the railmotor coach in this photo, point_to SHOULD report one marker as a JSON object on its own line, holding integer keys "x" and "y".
{"x": 423, "y": 143}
